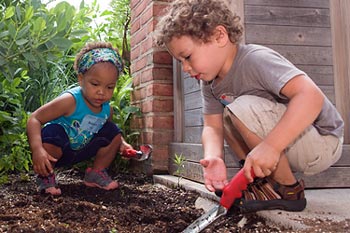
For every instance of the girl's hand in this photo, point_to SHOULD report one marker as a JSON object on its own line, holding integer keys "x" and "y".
{"x": 42, "y": 162}
{"x": 263, "y": 159}
{"x": 125, "y": 146}
{"x": 215, "y": 177}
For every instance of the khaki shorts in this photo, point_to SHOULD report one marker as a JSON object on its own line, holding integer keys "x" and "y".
{"x": 310, "y": 153}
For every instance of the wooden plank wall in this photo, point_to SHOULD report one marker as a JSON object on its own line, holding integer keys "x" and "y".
{"x": 298, "y": 29}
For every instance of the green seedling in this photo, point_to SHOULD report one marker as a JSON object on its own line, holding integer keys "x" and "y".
{"x": 179, "y": 161}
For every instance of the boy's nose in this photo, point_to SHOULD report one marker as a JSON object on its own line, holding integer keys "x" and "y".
{"x": 186, "y": 67}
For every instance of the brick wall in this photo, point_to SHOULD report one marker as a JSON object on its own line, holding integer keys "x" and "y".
{"x": 151, "y": 70}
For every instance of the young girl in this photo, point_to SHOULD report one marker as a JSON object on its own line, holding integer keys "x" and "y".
{"x": 78, "y": 123}
{"x": 271, "y": 113}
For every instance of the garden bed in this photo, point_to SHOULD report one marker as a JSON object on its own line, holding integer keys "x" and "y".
{"x": 137, "y": 206}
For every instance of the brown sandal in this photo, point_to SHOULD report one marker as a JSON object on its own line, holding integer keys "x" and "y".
{"x": 267, "y": 194}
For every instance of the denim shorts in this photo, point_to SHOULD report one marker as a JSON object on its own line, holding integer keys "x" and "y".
{"x": 56, "y": 135}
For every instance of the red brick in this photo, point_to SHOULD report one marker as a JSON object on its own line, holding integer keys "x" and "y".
{"x": 136, "y": 79}
{"x": 155, "y": 105}
{"x": 140, "y": 64}
{"x": 139, "y": 36}
{"x": 146, "y": 75}
{"x": 139, "y": 8}
{"x": 146, "y": 45}
{"x": 135, "y": 53}
{"x": 159, "y": 122}
{"x": 147, "y": 15}
{"x": 135, "y": 26}
{"x": 137, "y": 123}
{"x": 136, "y": 94}
{"x": 159, "y": 89}
{"x": 158, "y": 137}
{"x": 162, "y": 57}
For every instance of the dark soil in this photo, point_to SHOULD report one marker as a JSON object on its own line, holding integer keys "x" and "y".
{"x": 136, "y": 206}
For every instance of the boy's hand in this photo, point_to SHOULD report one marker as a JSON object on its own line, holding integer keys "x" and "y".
{"x": 42, "y": 162}
{"x": 263, "y": 159}
{"x": 215, "y": 177}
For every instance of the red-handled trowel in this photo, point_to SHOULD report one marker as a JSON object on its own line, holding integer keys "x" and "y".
{"x": 139, "y": 155}
{"x": 229, "y": 194}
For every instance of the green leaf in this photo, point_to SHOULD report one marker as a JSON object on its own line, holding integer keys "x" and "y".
{"x": 61, "y": 24}
{"x": 16, "y": 82}
{"x": 2, "y": 61}
{"x": 78, "y": 33}
{"x": 21, "y": 41}
{"x": 23, "y": 32}
{"x": 18, "y": 14}
{"x": 106, "y": 13}
{"x": 4, "y": 34}
{"x": 12, "y": 30}
{"x": 62, "y": 43}
{"x": 39, "y": 25}
{"x": 10, "y": 11}
{"x": 29, "y": 13}
{"x": 29, "y": 56}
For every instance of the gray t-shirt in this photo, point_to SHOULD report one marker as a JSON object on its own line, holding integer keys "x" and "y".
{"x": 260, "y": 71}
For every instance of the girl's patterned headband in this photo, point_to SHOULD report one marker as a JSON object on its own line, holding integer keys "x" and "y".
{"x": 99, "y": 55}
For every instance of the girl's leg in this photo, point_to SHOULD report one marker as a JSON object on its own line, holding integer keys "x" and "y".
{"x": 54, "y": 138}
{"x": 54, "y": 151}
{"x": 105, "y": 155}
{"x": 97, "y": 175}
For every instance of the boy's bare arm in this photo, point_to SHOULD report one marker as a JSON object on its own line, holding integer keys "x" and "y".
{"x": 215, "y": 177}
{"x": 213, "y": 136}
{"x": 306, "y": 101}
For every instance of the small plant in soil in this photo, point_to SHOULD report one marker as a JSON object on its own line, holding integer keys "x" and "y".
{"x": 179, "y": 161}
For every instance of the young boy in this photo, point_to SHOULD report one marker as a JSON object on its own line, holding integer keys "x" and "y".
{"x": 271, "y": 114}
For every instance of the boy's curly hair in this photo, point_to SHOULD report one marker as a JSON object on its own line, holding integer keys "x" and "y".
{"x": 90, "y": 46}
{"x": 198, "y": 19}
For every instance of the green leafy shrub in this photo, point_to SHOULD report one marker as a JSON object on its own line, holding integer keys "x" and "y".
{"x": 37, "y": 50}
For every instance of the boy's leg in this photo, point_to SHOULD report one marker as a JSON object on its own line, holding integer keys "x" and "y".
{"x": 233, "y": 138}
{"x": 278, "y": 191}
{"x": 253, "y": 118}
{"x": 310, "y": 153}
{"x": 245, "y": 140}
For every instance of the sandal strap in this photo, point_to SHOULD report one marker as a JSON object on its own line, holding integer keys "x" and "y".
{"x": 267, "y": 189}
{"x": 287, "y": 192}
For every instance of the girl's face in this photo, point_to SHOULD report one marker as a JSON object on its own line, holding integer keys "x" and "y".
{"x": 201, "y": 60}
{"x": 98, "y": 84}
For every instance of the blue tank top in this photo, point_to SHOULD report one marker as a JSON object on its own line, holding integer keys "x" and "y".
{"x": 83, "y": 123}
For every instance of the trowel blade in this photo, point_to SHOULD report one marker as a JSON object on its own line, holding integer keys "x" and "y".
{"x": 206, "y": 219}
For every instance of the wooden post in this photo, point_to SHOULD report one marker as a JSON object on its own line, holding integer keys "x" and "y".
{"x": 340, "y": 21}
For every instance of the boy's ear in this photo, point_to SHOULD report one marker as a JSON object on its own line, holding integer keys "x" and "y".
{"x": 220, "y": 35}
